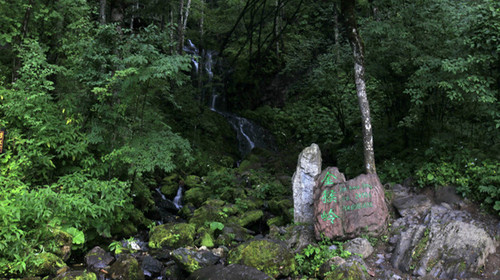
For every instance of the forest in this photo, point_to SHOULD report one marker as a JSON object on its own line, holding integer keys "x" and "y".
{"x": 106, "y": 104}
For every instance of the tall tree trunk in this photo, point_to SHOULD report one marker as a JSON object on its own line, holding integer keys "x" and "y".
{"x": 347, "y": 7}
{"x": 102, "y": 11}
{"x": 183, "y": 13}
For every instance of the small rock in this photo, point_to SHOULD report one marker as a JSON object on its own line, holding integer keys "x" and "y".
{"x": 151, "y": 266}
{"x": 190, "y": 260}
{"x": 97, "y": 259}
{"x": 126, "y": 267}
{"x": 359, "y": 246}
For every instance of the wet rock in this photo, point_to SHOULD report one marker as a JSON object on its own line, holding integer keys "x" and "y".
{"x": 345, "y": 210}
{"x": 230, "y": 272}
{"x": 172, "y": 235}
{"x": 97, "y": 259}
{"x": 270, "y": 257}
{"x": 327, "y": 266}
{"x": 151, "y": 266}
{"x": 126, "y": 267}
{"x": 297, "y": 237}
{"x": 359, "y": 246}
{"x": 412, "y": 205}
{"x": 308, "y": 167}
{"x": 233, "y": 232}
{"x": 190, "y": 260}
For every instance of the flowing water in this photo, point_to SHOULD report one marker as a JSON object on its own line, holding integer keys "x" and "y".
{"x": 249, "y": 134}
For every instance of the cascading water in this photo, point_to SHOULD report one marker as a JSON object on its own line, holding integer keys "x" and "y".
{"x": 249, "y": 134}
{"x": 178, "y": 198}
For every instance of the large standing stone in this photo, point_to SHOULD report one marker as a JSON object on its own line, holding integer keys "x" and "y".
{"x": 308, "y": 167}
{"x": 345, "y": 210}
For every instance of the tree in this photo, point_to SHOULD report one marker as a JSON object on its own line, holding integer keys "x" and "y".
{"x": 347, "y": 7}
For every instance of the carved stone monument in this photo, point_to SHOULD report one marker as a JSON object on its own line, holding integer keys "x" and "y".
{"x": 347, "y": 209}
{"x": 308, "y": 167}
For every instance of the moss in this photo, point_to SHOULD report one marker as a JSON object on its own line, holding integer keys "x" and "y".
{"x": 172, "y": 235}
{"x": 276, "y": 221}
{"x": 77, "y": 275}
{"x": 196, "y": 196}
{"x": 280, "y": 208}
{"x": 355, "y": 271}
{"x": 250, "y": 217}
{"x": 127, "y": 267}
{"x": 420, "y": 248}
{"x": 212, "y": 210}
{"x": 193, "y": 181}
{"x": 169, "y": 190}
{"x": 272, "y": 258}
{"x": 186, "y": 260}
{"x": 46, "y": 264}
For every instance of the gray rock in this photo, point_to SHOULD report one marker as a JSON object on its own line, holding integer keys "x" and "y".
{"x": 308, "y": 167}
{"x": 359, "y": 246}
{"x": 449, "y": 244}
{"x": 151, "y": 266}
{"x": 230, "y": 272}
{"x": 412, "y": 205}
{"x": 98, "y": 258}
{"x": 190, "y": 260}
{"x": 300, "y": 237}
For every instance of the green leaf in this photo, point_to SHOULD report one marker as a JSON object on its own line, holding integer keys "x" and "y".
{"x": 430, "y": 177}
{"x": 78, "y": 236}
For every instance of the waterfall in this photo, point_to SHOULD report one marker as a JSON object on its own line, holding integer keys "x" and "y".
{"x": 178, "y": 198}
{"x": 249, "y": 134}
{"x": 161, "y": 194}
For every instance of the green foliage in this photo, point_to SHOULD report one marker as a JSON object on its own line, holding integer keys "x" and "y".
{"x": 311, "y": 258}
{"x": 474, "y": 178}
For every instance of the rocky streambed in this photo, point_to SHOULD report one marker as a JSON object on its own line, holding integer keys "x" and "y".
{"x": 431, "y": 235}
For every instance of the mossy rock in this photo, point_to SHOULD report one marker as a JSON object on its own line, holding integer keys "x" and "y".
{"x": 276, "y": 221}
{"x": 196, "y": 196}
{"x": 270, "y": 257}
{"x": 281, "y": 207}
{"x": 172, "y": 235}
{"x": 193, "y": 181}
{"x": 348, "y": 271}
{"x": 143, "y": 199}
{"x": 233, "y": 233}
{"x": 211, "y": 211}
{"x": 126, "y": 267}
{"x": 77, "y": 275}
{"x": 205, "y": 238}
{"x": 169, "y": 190}
{"x": 187, "y": 210}
{"x": 46, "y": 264}
{"x": 250, "y": 217}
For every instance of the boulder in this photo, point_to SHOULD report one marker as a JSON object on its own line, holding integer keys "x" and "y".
{"x": 172, "y": 235}
{"x": 126, "y": 267}
{"x": 447, "y": 245}
{"x": 359, "y": 246}
{"x": 230, "y": 272}
{"x": 97, "y": 259}
{"x": 352, "y": 269}
{"x": 412, "y": 205}
{"x": 190, "y": 260}
{"x": 308, "y": 167}
{"x": 345, "y": 210}
{"x": 46, "y": 264}
{"x": 297, "y": 237}
{"x": 268, "y": 256}
{"x": 151, "y": 266}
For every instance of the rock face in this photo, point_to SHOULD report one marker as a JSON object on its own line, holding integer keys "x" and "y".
{"x": 447, "y": 245}
{"x": 345, "y": 210}
{"x": 308, "y": 167}
{"x": 97, "y": 259}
